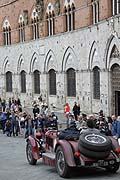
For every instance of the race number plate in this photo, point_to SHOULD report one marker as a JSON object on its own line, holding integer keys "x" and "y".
{"x": 102, "y": 163}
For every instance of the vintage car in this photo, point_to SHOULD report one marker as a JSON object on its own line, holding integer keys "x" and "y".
{"x": 91, "y": 149}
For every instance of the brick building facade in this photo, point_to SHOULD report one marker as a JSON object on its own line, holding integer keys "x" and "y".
{"x": 64, "y": 50}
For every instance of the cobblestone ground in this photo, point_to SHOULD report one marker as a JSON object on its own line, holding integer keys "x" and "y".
{"x": 14, "y": 166}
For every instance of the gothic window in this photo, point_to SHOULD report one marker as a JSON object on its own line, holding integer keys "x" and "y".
{"x": 36, "y": 82}
{"x": 52, "y": 82}
{"x": 6, "y": 32}
{"x": 35, "y": 25}
{"x": 116, "y": 7}
{"x": 69, "y": 17}
{"x": 51, "y": 24}
{"x": 115, "y": 52}
{"x": 96, "y": 83}
{"x": 71, "y": 82}
{"x": 21, "y": 29}
{"x": 50, "y": 17}
{"x": 95, "y": 11}
{"x": 23, "y": 81}
{"x": 8, "y": 81}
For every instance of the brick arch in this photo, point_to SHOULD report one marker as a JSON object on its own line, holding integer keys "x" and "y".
{"x": 66, "y": 64}
{"x": 50, "y": 61}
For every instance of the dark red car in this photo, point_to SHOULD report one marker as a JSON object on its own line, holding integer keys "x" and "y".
{"x": 92, "y": 149}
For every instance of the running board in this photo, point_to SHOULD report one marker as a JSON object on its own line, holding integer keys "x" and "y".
{"x": 48, "y": 158}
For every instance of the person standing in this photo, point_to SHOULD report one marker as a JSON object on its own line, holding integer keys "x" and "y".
{"x": 66, "y": 109}
{"x": 115, "y": 127}
{"x": 67, "y": 112}
{"x": 36, "y": 110}
{"x": 79, "y": 109}
{"x": 75, "y": 111}
{"x": 13, "y": 122}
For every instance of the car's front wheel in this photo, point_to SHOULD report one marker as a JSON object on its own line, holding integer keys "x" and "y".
{"x": 113, "y": 168}
{"x": 29, "y": 154}
{"x": 61, "y": 166}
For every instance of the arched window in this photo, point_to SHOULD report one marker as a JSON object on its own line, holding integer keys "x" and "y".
{"x": 23, "y": 81}
{"x": 69, "y": 17}
{"x": 8, "y": 81}
{"x": 116, "y": 7}
{"x": 50, "y": 16}
{"x": 71, "y": 82}
{"x": 96, "y": 83}
{"x": 21, "y": 29}
{"x": 6, "y": 32}
{"x": 95, "y": 9}
{"x": 52, "y": 82}
{"x": 35, "y": 25}
{"x": 36, "y": 82}
{"x": 115, "y": 52}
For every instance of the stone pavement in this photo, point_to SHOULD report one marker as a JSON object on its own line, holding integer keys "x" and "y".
{"x": 14, "y": 165}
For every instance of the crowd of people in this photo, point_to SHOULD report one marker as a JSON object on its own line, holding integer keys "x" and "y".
{"x": 108, "y": 125}
{"x": 15, "y": 122}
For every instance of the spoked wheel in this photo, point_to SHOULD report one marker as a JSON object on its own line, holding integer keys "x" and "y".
{"x": 61, "y": 165}
{"x": 29, "y": 154}
{"x": 113, "y": 168}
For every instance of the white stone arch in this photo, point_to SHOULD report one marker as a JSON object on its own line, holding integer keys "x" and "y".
{"x": 70, "y": 60}
{"x": 113, "y": 41}
{"x": 50, "y": 62}
{"x": 34, "y": 63}
{"x": 34, "y": 14}
{"x": 21, "y": 19}
{"x": 20, "y": 65}
{"x": 94, "y": 59}
{"x": 6, "y": 23}
{"x": 69, "y": 3}
{"x": 50, "y": 8}
{"x": 6, "y": 65}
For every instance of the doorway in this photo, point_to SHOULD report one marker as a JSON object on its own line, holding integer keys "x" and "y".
{"x": 115, "y": 82}
{"x": 117, "y": 103}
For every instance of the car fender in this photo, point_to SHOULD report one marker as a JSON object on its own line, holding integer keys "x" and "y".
{"x": 68, "y": 152}
{"x": 35, "y": 149}
{"x": 115, "y": 143}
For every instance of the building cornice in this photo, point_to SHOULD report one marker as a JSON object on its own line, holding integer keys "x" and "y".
{"x": 6, "y": 4}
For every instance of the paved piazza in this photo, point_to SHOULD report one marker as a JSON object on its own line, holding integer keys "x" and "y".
{"x": 14, "y": 166}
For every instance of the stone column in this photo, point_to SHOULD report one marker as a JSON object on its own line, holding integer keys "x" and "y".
{"x": 68, "y": 22}
{"x": 93, "y": 4}
{"x": 52, "y": 24}
{"x": 113, "y": 4}
{"x": 60, "y": 89}
{"x": 97, "y": 12}
{"x": 49, "y": 27}
{"x": 71, "y": 20}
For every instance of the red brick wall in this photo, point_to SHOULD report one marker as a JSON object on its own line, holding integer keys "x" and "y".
{"x": 83, "y": 17}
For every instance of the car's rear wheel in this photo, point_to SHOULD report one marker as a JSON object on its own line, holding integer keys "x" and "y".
{"x": 113, "y": 168}
{"x": 61, "y": 166}
{"x": 95, "y": 141}
{"x": 29, "y": 154}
